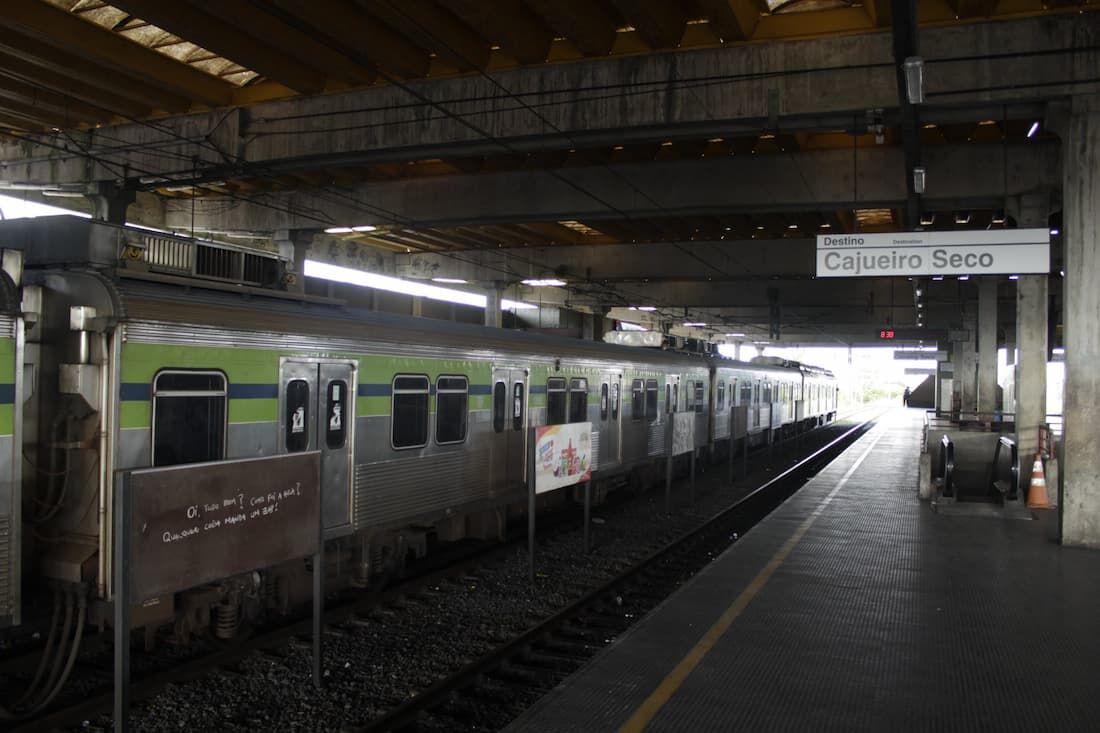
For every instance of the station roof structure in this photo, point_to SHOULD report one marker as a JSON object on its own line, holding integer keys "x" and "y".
{"x": 680, "y": 154}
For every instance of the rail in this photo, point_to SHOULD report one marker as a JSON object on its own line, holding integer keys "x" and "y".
{"x": 947, "y": 465}
{"x": 1006, "y": 487}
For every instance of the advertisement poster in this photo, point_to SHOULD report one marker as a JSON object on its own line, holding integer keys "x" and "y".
{"x": 563, "y": 455}
{"x": 683, "y": 432}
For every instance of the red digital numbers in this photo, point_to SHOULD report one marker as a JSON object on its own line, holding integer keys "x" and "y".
{"x": 886, "y": 334}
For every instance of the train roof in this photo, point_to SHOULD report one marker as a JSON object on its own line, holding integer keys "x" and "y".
{"x": 144, "y": 293}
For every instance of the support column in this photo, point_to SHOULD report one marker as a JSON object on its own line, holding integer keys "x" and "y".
{"x": 110, "y": 201}
{"x": 294, "y": 244}
{"x": 987, "y": 345}
{"x": 1032, "y": 303}
{"x": 417, "y": 308}
{"x": 494, "y": 317}
{"x": 966, "y": 361}
{"x": 1081, "y": 235}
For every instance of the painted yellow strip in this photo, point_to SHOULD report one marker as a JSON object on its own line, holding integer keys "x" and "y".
{"x": 672, "y": 682}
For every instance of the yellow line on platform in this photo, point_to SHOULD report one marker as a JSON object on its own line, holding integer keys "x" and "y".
{"x": 672, "y": 682}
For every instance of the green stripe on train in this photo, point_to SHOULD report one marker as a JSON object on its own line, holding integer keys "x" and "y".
{"x": 7, "y": 422}
{"x": 7, "y": 361}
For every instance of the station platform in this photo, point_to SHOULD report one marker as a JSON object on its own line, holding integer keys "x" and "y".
{"x": 854, "y": 607}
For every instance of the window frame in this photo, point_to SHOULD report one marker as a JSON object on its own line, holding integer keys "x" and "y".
{"x": 637, "y": 400}
{"x": 500, "y": 402}
{"x": 343, "y": 412}
{"x": 605, "y": 401}
{"x": 466, "y": 405}
{"x": 652, "y": 387}
{"x": 577, "y": 386}
{"x": 427, "y": 402}
{"x": 564, "y": 390}
{"x": 153, "y": 394}
{"x": 616, "y": 390}
{"x": 519, "y": 417}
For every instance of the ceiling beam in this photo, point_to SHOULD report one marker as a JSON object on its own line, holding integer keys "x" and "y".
{"x": 733, "y": 20}
{"x": 45, "y": 116}
{"x": 29, "y": 52}
{"x": 818, "y": 23}
{"x": 583, "y": 22}
{"x": 433, "y": 29}
{"x": 510, "y": 24}
{"x": 660, "y": 23}
{"x": 360, "y": 36}
{"x": 973, "y": 8}
{"x": 66, "y": 31}
{"x": 273, "y": 27}
{"x": 190, "y": 22}
{"x": 62, "y": 104}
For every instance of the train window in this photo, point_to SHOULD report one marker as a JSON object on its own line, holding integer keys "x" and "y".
{"x": 668, "y": 397}
{"x": 555, "y": 401}
{"x": 615, "y": 401}
{"x": 637, "y": 400}
{"x": 517, "y": 406}
{"x": 409, "y": 424}
{"x": 676, "y": 398}
{"x": 721, "y": 397}
{"x": 699, "y": 397}
{"x": 297, "y": 415}
{"x": 651, "y": 399}
{"x": 604, "y": 400}
{"x": 746, "y": 393}
{"x": 500, "y": 406}
{"x": 452, "y": 395}
{"x": 767, "y": 393}
{"x": 578, "y": 400}
{"x": 189, "y": 417}
{"x": 756, "y": 393}
{"x": 336, "y": 410}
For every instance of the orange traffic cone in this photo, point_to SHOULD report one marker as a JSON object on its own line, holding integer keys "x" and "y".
{"x": 1037, "y": 490}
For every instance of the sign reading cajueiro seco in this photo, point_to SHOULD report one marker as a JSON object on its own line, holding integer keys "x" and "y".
{"x": 985, "y": 252}
{"x": 563, "y": 455}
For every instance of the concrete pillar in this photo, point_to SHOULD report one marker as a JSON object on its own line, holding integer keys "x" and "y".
{"x": 1081, "y": 235}
{"x": 966, "y": 361}
{"x": 987, "y": 345}
{"x": 417, "y": 306}
{"x": 737, "y": 350}
{"x": 494, "y": 317}
{"x": 110, "y": 201}
{"x": 294, "y": 244}
{"x": 1031, "y": 337}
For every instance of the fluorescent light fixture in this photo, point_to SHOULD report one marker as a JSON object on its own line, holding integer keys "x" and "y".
{"x": 734, "y": 335}
{"x": 544, "y": 283}
{"x": 1059, "y": 351}
{"x": 964, "y": 277}
{"x": 792, "y": 226}
{"x": 693, "y": 324}
{"x": 927, "y": 220}
{"x": 761, "y": 343}
{"x": 919, "y": 291}
{"x": 914, "y": 79}
{"x": 920, "y": 305}
{"x": 364, "y": 228}
{"x": 1055, "y": 231}
{"x": 16, "y": 208}
{"x": 1013, "y": 277}
{"x": 999, "y": 217}
{"x": 451, "y": 280}
{"x": 937, "y": 277}
{"x": 627, "y": 326}
{"x": 1033, "y": 129}
{"x": 339, "y": 230}
{"x": 364, "y": 279}
{"x": 53, "y": 193}
{"x": 962, "y": 218}
{"x": 647, "y": 308}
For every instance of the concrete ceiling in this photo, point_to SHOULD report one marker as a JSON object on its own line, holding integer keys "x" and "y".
{"x": 681, "y": 153}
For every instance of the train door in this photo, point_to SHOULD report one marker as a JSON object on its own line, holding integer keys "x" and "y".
{"x": 510, "y": 423}
{"x": 610, "y": 389}
{"x": 317, "y": 412}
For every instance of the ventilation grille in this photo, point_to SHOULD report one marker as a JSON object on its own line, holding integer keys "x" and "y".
{"x": 208, "y": 260}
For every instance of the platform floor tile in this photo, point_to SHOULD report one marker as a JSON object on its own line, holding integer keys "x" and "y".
{"x": 882, "y": 616}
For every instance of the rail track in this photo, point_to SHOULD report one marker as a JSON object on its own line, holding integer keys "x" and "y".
{"x": 489, "y": 687}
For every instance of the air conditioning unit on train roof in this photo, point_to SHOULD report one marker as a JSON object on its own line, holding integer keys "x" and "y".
{"x": 650, "y": 339}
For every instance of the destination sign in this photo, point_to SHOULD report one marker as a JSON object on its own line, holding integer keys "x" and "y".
{"x": 985, "y": 252}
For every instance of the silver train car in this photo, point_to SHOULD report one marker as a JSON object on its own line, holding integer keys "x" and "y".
{"x": 131, "y": 349}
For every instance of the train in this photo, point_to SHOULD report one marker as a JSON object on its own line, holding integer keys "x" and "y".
{"x": 123, "y": 348}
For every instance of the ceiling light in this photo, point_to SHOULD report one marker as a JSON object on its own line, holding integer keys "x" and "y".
{"x": 734, "y": 335}
{"x": 364, "y": 228}
{"x": 918, "y": 292}
{"x": 962, "y": 217}
{"x": 365, "y": 279}
{"x": 1033, "y": 129}
{"x": 339, "y": 230}
{"x": 1013, "y": 277}
{"x": 927, "y": 220}
{"x": 826, "y": 225}
{"x": 964, "y": 277}
{"x": 452, "y": 280}
{"x": 646, "y": 308}
{"x": 918, "y": 179}
{"x": 693, "y": 324}
{"x": 999, "y": 217}
{"x": 759, "y": 228}
{"x": 544, "y": 283}
{"x": 1055, "y": 231}
{"x": 920, "y": 305}
{"x": 937, "y": 277}
{"x": 792, "y": 226}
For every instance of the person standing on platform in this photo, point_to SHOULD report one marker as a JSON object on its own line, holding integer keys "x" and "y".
{"x": 905, "y": 397}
